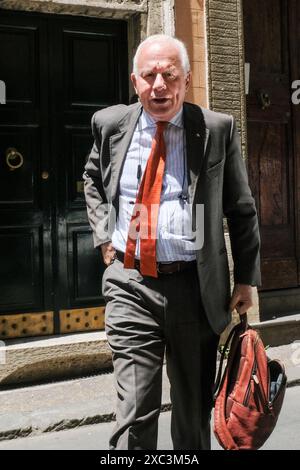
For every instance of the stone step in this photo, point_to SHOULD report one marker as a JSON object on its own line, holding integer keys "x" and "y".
{"x": 34, "y": 360}
{"x": 281, "y": 330}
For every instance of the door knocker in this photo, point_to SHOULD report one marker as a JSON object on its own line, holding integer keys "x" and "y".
{"x": 14, "y": 159}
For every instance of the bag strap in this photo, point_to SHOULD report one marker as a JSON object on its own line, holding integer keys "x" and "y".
{"x": 220, "y": 426}
{"x": 242, "y": 327}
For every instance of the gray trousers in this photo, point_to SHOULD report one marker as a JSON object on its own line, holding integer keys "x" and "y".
{"x": 146, "y": 318}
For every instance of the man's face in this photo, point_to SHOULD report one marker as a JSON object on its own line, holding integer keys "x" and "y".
{"x": 161, "y": 83}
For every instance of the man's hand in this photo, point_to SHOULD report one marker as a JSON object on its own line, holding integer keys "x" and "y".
{"x": 108, "y": 253}
{"x": 242, "y": 298}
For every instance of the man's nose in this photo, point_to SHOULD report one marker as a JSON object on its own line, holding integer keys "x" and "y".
{"x": 159, "y": 82}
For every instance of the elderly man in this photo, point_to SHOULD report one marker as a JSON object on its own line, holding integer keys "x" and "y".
{"x": 152, "y": 164}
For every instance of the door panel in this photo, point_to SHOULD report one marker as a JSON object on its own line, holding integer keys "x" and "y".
{"x": 265, "y": 26}
{"x": 89, "y": 78}
{"x": 77, "y": 142}
{"x": 81, "y": 259}
{"x": 88, "y": 73}
{"x": 25, "y": 270}
{"x": 58, "y": 71}
{"x": 20, "y": 43}
{"x": 271, "y": 152}
{"x": 20, "y": 183}
{"x": 21, "y": 268}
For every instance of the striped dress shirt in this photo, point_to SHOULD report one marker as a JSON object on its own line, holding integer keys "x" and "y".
{"x": 175, "y": 240}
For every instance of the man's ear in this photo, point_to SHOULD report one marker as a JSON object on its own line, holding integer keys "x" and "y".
{"x": 133, "y": 79}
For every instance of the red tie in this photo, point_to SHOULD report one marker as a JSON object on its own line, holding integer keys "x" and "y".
{"x": 145, "y": 213}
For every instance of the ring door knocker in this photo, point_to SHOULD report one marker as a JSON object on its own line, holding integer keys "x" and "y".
{"x": 14, "y": 159}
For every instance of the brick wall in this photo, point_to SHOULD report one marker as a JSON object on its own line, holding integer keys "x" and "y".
{"x": 190, "y": 28}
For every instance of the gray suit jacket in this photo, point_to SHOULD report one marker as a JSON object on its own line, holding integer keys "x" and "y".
{"x": 217, "y": 179}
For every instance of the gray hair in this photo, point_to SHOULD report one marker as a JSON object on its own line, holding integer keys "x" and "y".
{"x": 164, "y": 38}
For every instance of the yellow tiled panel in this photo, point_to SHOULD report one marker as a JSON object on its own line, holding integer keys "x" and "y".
{"x": 26, "y": 324}
{"x": 82, "y": 319}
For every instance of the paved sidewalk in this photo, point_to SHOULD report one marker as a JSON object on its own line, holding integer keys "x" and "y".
{"x": 34, "y": 410}
{"x": 96, "y": 437}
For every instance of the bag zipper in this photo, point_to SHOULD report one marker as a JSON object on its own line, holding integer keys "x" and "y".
{"x": 264, "y": 402}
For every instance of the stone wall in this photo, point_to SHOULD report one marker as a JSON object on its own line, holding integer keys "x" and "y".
{"x": 114, "y": 9}
{"x": 225, "y": 52}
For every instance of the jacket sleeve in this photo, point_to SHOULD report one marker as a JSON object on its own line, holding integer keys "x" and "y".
{"x": 97, "y": 207}
{"x": 239, "y": 209}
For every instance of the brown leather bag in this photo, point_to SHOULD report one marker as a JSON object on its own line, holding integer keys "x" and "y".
{"x": 249, "y": 396}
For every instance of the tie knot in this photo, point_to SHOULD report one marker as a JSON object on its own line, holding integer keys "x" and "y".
{"x": 161, "y": 125}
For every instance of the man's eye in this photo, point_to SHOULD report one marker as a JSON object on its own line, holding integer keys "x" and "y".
{"x": 169, "y": 76}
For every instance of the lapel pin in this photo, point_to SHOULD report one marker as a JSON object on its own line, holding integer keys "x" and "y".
{"x": 197, "y": 135}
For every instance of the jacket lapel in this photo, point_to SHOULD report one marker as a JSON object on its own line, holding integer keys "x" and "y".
{"x": 197, "y": 136}
{"x": 119, "y": 144}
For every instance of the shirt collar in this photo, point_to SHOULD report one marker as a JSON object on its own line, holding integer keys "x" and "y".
{"x": 147, "y": 121}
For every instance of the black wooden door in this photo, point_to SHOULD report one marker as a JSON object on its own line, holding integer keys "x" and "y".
{"x": 58, "y": 71}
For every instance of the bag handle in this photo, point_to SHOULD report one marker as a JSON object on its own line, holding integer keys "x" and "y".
{"x": 242, "y": 326}
{"x": 244, "y": 321}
